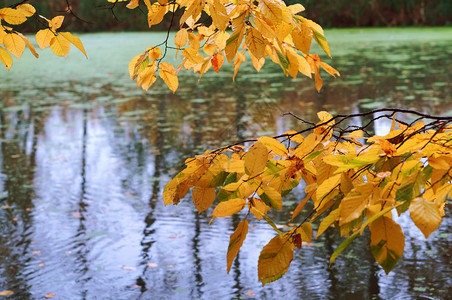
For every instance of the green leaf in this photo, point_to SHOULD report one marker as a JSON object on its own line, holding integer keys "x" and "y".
{"x": 405, "y": 192}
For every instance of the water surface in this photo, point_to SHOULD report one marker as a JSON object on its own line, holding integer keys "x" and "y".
{"x": 85, "y": 156}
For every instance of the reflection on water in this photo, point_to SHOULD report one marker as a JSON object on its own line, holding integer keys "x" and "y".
{"x": 83, "y": 164}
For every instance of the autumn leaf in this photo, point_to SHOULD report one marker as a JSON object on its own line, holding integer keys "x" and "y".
{"x": 217, "y": 61}
{"x": 274, "y": 259}
{"x": 181, "y": 38}
{"x": 227, "y": 208}
{"x": 6, "y": 58}
{"x": 6, "y": 293}
{"x": 386, "y": 242}
{"x": 256, "y": 159}
{"x": 74, "y": 41}
{"x": 43, "y": 38}
{"x": 169, "y": 74}
{"x": 26, "y": 9}
{"x": 56, "y": 22}
{"x": 14, "y": 44}
{"x": 233, "y": 42}
{"x": 29, "y": 45}
{"x": 235, "y": 242}
{"x": 13, "y": 16}
{"x": 60, "y": 46}
{"x": 255, "y": 43}
{"x": 271, "y": 10}
{"x": 425, "y": 215}
{"x": 203, "y": 198}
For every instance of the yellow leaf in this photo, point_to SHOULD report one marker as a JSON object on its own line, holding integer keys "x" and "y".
{"x": 274, "y": 259}
{"x": 219, "y": 15}
{"x": 133, "y": 4}
{"x": 255, "y": 43}
{"x": 325, "y": 117}
{"x": 181, "y": 38}
{"x": 27, "y": 9}
{"x": 227, "y": 208}
{"x": 6, "y": 293}
{"x": 14, "y": 44}
{"x": 155, "y": 53}
{"x": 235, "y": 242}
{"x": 6, "y": 58}
{"x": 273, "y": 145}
{"x": 258, "y": 208}
{"x": 233, "y": 42}
{"x": 305, "y": 230}
{"x": 175, "y": 189}
{"x": 234, "y": 166}
{"x": 12, "y": 16}
{"x": 271, "y": 10}
{"x": 135, "y": 64}
{"x": 267, "y": 30}
{"x": 355, "y": 202}
{"x": 155, "y": 14}
{"x": 221, "y": 39}
{"x": 333, "y": 72}
{"x": 301, "y": 205}
{"x": 327, "y": 221}
{"x": 60, "y": 46}
{"x": 169, "y": 74}
{"x": 209, "y": 49}
{"x": 56, "y": 22}
{"x": 74, "y": 40}
{"x": 426, "y": 215}
{"x": 302, "y": 38}
{"x": 29, "y": 45}
{"x": 257, "y": 63}
{"x": 293, "y": 63}
{"x": 237, "y": 62}
{"x": 43, "y": 38}
{"x": 192, "y": 55}
{"x": 256, "y": 159}
{"x": 147, "y": 77}
{"x": 203, "y": 198}
{"x": 327, "y": 186}
{"x": 386, "y": 242}
{"x": 296, "y": 8}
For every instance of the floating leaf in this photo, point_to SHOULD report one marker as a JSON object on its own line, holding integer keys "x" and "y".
{"x": 6, "y": 293}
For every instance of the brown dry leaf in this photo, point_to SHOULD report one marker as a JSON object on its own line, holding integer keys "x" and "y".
{"x": 6, "y": 293}
{"x": 152, "y": 265}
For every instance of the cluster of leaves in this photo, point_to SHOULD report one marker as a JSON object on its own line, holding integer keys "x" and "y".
{"x": 354, "y": 180}
{"x": 14, "y": 42}
{"x": 261, "y": 28}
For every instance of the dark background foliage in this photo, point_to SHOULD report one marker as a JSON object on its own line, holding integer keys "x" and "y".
{"x": 100, "y": 15}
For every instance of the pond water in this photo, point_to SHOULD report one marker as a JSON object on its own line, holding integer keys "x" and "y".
{"x": 85, "y": 156}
